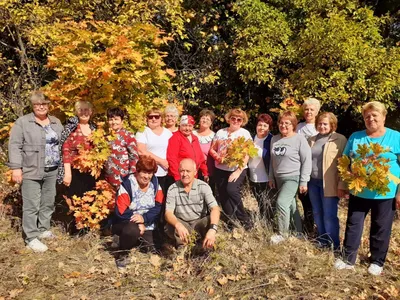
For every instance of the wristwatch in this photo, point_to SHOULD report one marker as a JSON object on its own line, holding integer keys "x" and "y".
{"x": 214, "y": 226}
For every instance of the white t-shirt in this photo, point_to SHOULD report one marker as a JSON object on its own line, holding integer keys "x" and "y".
{"x": 258, "y": 173}
{"x": 156, "y": 144}
{"x": 222, "y": 139}
{"x": 306, "y": 129}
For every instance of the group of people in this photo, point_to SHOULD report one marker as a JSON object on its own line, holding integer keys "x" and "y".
{"x": 167, "y": 176}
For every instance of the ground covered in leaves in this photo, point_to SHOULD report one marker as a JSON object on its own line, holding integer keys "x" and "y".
{"x": 244, "y": 266}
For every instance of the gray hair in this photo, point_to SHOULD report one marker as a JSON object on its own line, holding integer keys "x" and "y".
{"x": 39, "y": 96}
{"x": 170, "y": 108}
{"x": 189, "y": 160}
{"x": 81, "y": 103}
{"x": 312, "y": 101}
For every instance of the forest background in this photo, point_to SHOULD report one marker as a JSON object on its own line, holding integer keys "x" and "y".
{"x": 200, "y": 54}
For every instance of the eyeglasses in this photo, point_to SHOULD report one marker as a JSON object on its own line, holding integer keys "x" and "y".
{"x": 236, "y": 119}
{"x": 156, "y": 117}
{"x": 40, "y": 104}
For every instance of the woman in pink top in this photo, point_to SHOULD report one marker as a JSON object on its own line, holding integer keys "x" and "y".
{"x": 206, "y": 135}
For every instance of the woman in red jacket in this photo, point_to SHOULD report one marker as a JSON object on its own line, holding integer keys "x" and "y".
{"x": 184, "y": 144}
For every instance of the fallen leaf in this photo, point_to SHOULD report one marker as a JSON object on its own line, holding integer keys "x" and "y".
{"x": 70, "y": 283}
{"x": 92, "y": 270}
{"x": 223, "y": 280}
{"x": 298, "y": 276}
{"x": 155, "y": 260}
{"x": 218, "y": 268}
{"x": 61, "y": 265}
{"x": 118, "y": 284}
{"x": 237, "y": 235}
{"x": 15, "y": 292}
{"x": 74, "y": 274}
{"x": 210, "y": 290}
{"x": 97, "y": 257}
{"x": 105, "y": 271}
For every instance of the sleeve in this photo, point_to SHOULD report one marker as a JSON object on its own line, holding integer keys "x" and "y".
{"x": 170, "y": 199}
{"x": 141, "y": 137}
{"x": 247, "y": 135}
{"x": 209, "y": 197}
{"x": 173, "y": 156}
{"x": 123, "y": 200}
{"x": 132, "y": 151}
{"x": 305, "y": 160}
{"x": 271, "y": 176}
{"x": 341, "y": 184}
{"x": 66, "y": 150}
{"x": 15, "y": 146}
{"x": 153, "y": 213}
{"x": 213, "y": 152}
{"x": 349, "y": 145}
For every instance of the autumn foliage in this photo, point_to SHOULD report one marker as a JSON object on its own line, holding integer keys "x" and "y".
{"x": 92, "y": 160}
{"x": 93, "y": 207}
{"x": 237, "y": 151}
{"x": 366, "y": 170}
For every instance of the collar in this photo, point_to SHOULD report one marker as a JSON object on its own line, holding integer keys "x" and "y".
{"x": 182, "y": 188}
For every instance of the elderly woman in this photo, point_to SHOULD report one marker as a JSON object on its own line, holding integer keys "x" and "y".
{"x": 171, "y": 115}
{"x": 229, "y": 180}
{"x": 310, "y": 109}
{"x": 206, "y": 135}
{"x": 259, "y": 166}
{"x": 137, "y": 209}
{"x": 184, "y": 144}
{"x": 382, "y": 207}
{"x": 153, "y": 141}
{"x": 289, "y": 171}
{"x": 124, "y": 155}
{"x": 34, "y": 159}
{"x": 325, "y": 187}
{"x": 75, "y": 135}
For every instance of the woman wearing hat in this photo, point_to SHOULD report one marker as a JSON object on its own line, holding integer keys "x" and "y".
{"x": 184, "y": 144}
{"x": 34, "y": 159}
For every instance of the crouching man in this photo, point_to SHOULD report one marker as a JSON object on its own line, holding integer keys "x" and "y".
{"x": 191, "y": 206}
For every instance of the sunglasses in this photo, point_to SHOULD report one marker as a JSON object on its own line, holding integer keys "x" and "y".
{"x": 156, "y": 117}
{"x": 236, "y": 119}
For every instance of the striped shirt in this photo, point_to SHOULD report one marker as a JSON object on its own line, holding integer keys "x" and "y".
{"x": 193, "y": 205}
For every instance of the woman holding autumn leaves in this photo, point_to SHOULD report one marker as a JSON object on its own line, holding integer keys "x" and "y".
{"x": 230, "y": 179}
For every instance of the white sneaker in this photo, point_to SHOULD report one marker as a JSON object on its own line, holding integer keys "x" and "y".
{"x": 277, "y": 238}
{"x": 47, "y": 235}
{"x": 115, "y": 241}
{"x": 375, "y": 270}
{"x": 37, "y": 246}
{"x": 341, "y": 265}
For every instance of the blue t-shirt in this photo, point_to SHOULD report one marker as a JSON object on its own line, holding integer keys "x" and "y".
{"x": 391, "y": 140}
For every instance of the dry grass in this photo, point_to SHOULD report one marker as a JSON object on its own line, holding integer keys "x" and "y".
{"x": 244, "y": 266}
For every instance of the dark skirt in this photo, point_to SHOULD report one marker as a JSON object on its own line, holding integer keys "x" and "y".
{"x": 80, "y": 184}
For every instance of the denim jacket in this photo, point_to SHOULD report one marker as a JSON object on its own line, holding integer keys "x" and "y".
{"x": 26, "y": 148}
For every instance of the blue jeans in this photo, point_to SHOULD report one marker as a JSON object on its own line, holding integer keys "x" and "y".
{"x": 325, "y": 210}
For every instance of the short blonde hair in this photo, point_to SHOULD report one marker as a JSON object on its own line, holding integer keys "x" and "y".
{"x": 154, "y": 110}
{"x": 332, "y": 120}
{"x": 288, "y": 114}
{"x": 237, "y": 112}
{"x": 82, "y": 103}
{"x": 374, "y": 105}
{"x": 312, "y": 101}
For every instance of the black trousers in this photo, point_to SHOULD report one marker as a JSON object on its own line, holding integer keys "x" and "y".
{"x": 382, "y": 214}
{"x": 308, "y": 222}
{"x": 129, "y": 237}
{"x": 265, "y": 200}
{"x": 230, "y": 197}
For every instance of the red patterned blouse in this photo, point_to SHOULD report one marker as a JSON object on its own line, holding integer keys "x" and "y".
{"x": 123, "y": 158}
{"x": 70, "y": 146}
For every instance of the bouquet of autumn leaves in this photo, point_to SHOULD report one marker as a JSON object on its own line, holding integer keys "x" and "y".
{"x": 367, "y": 170}
{"x": 94, "y": 206}
{"x": 237, "y": 151}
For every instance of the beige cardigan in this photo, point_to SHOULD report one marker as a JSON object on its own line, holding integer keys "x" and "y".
{"x": 332, "y": 151}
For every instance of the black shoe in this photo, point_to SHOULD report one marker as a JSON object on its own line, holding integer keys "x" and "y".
{"x": 122, "y": 261}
